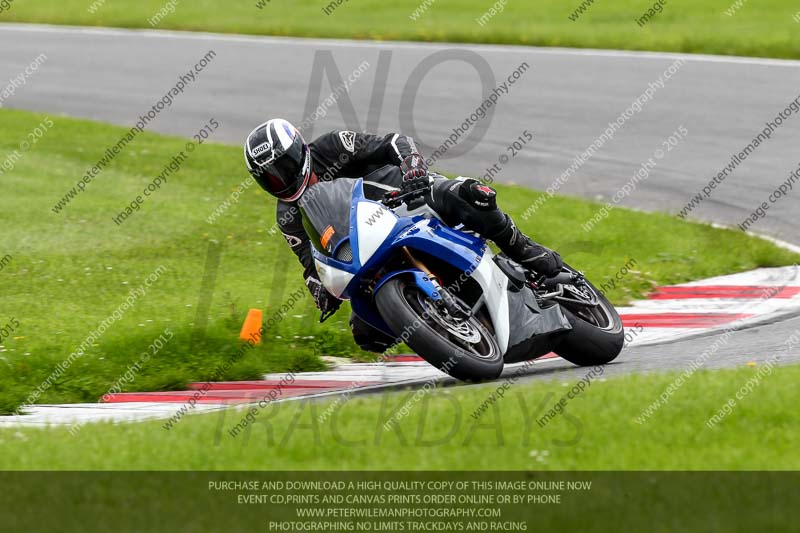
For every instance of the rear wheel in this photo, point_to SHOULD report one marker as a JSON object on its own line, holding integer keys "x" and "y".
{"x": 463, "y": 348}
{"x": 597, "y": 334}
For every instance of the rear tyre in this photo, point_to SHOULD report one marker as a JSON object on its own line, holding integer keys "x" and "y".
{"x": 465, "y": 349}
{"x": 597, "y": 334}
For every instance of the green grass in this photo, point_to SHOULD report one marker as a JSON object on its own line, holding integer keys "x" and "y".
{"x": 70, "y": 271}
{"x": 764, "y": 28}
{"x": 598, "y": 431}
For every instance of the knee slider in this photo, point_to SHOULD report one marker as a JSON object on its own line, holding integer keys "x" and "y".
{"x": 478, "y": 195}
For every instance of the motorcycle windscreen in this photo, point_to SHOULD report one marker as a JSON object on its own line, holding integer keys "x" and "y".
{"x": 326, "y": 213}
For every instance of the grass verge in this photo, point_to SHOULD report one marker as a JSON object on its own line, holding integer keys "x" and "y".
{"x": 767, "y": 28}
{"x": 65, "y": 273}
{"x": 598, "y": 430}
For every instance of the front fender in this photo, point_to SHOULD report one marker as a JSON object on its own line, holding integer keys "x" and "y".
{"x": 420, "y": 278}
{"x": 365, "y": 307}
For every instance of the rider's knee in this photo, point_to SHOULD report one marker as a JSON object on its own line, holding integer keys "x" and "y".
{"x": 372, "y": 342}
{"x": 368, "y": 338}
{"x": 373, "y": 346}
{"x": 480, "y": 196}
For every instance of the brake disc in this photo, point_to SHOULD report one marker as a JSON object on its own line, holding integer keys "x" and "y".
{"x": 458, "y": 328}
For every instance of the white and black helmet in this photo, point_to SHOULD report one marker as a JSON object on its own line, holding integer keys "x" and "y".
{"x": 279, "y": 159}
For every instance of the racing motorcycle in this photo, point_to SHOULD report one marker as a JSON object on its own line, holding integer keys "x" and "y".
{"x": 443, "y": 292}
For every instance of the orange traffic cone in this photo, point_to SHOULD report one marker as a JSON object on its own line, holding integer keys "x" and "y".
{"x": 251, "y": 329}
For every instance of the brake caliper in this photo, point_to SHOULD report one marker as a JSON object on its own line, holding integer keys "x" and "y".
{"x": 449, "y": 303}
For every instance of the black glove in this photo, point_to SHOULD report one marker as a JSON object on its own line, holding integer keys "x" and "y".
{"x": 326, "y": 302}
{"x": 416, "y": 181}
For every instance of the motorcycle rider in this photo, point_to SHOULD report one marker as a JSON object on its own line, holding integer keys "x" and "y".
{"x": 285, "y": 166}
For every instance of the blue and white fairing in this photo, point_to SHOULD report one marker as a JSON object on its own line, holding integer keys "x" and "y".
{"x": 349, "y": 240}
{"x": 353, "y": 237}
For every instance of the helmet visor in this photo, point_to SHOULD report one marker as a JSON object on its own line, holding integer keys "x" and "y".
{"x": 288, "y": 174}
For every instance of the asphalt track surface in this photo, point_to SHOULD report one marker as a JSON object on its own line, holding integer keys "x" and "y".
{"x": 566, "y": 98}
{"x": 751, "y": 345}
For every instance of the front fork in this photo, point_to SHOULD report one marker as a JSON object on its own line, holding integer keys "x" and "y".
{"x": 446, "y": 301}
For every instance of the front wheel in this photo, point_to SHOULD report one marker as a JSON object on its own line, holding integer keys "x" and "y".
{"x": 465, "y": 349}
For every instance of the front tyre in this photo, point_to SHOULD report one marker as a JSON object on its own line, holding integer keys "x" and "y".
{"x": 465, "y": 349}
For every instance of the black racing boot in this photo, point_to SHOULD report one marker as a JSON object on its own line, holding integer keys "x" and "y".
{"x": 527, "y": 253}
